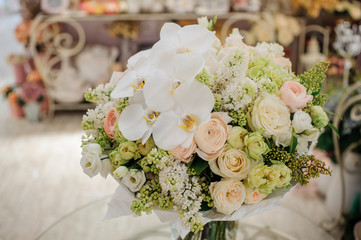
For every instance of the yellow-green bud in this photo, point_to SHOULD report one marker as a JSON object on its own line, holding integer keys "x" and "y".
{"x": 120, "y": 172}
{"x": 319, "y": 117}
{"x": 284, "y": 175}
{"x": 264, "y": 178}
{"x": 147, "y": 147}
{"x": 255, "y": 145}
{"x": 127, "y": 150}
{"x": 116, "y": 159}
{"x": 236, "y": 137}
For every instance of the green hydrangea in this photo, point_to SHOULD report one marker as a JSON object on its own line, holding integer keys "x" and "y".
{"x": 306, "y": 167}
{"x": 122, "y": 104}
{"x": 239, "y": 117}
{"x": 150, "y": 195}
{"x": 203, "y": 77}
{"x": 156, "y": 159}
{"x": 103, "y": 140}
{"x": 87, "y": 125}
{"x": 313, "y": 78}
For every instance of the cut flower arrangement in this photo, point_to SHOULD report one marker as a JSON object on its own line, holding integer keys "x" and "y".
{"x": 212, "y": 132}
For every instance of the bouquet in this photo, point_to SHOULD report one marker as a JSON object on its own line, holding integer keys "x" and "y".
{"x": 209, "y": 131}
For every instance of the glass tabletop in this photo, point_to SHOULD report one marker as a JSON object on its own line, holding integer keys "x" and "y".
{"x": 87, "y": 223}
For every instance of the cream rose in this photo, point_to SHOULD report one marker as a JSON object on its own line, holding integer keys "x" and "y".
{"x": 134, "y": 180}
{"x": 301, "y": 121}
{"x": 184, "y": 154}
{"x": 211, "y": 137}
{"x": 294, "y": 95}
{"x": 270, "y": 114}
{"x": 110, "y": 121}
{"x": 228, "y": 195}
{"x": 90, "y": 160}
{"x": 253, "y": 195}
{"x": 232, "y": 163}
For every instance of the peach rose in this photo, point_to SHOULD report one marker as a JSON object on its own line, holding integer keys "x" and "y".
{"x": 253, "y": 195}
{"x": 232, "y": 163}
{"x": 283, "y": 62}
{"x": 211, "y": 136}
{"x": 294, "y": 95}
{"x": 110, "y": 121}
{"x": 228, "y": 195}
{"x": 184, "y": 154}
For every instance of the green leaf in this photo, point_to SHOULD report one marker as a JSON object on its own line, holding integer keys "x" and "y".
{"x": 199, "y": 165}
{"x": 268, "y": 143}
{"x": 334, "y": 129}
{"x": 294, "y": 142}
{"x": 211, "y": 24}
{"x": 205, "y": 207}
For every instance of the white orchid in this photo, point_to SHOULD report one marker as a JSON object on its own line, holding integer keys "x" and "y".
{"x": 194, "y": 102}
{"x": 139, "y": 69}
{"x": 174, "y": 40}
{"x": 136, "y": 120}
{"x": 160, "y": 87}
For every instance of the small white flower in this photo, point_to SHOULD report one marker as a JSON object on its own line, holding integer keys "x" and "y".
{"x": 301, "y": 121}
{"x": 90, "y": 160}
{"x": 203, "y": 21}
{"x": 134, "y": 180}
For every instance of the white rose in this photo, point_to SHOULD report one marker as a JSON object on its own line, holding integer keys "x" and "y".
{"x": 231, "y": 163}
{"x": 302, "y": 144}
{"x": 134, "y": 180}
{"x": 120, "y": 172}
{"x": 228, "y": 195}
{"x": 90, "y": 160}
{"x": 106, "y": 167}
{"x": 253, "y": 195}
{"x": 272, "y": 115}
{"x": 301, "y": 121}
{"x": 310, "y": 135}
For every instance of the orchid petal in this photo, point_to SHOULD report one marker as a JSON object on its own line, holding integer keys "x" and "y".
{"x": 124, "y": 88}
{"x": 166, "y": 132}
{"x": 169, "y": 30}
{"x": 188, "y": 141}
{"x": 116, "y": 76}
{"x": 196, "y": 98}
{"x": 196, "y": 37}
{"x": 146, "y": 136}
{"x": 157, "y": 92}
{"x": 135, "y": 58}
{"x": 131, "y": 122}
{"x": 187, "y": 65}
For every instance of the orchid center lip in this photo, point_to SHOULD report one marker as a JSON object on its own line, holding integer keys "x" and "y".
{"x": 181, "y": 50}
{"x": 150, "y": 116}
{"x": 174, "y": 86}
{"x": 187, "y": 122}
{"x": 139, "y": 83}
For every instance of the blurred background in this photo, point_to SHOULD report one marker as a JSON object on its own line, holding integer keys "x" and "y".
{"x": 52, "y": 51}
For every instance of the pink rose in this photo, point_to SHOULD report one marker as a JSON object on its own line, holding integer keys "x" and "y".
{"x": 184, "y": 154}
{"x": 211, "y": 137}
{"x": 294, "y": 95}
{"x": 253, "y": 195}
{"x": 110, "y": 121}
